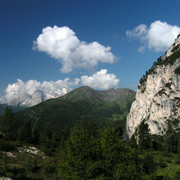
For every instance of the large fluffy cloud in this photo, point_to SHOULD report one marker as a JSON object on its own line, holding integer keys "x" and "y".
{"x": 159, "y": 36}
{"x": 62, "y": 44}
{"x": 100, "y": 80}
{"x": 33, "y": 92}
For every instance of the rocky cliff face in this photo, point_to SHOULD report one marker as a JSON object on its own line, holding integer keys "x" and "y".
{"x": 158, "y": 95}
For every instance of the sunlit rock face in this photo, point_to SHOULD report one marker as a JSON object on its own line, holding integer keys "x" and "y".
{"x": 158, "y": 95}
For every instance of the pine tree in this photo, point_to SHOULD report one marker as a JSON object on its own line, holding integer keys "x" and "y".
{"x": 168, "y": 138}
{"x": 118, "y": 161}
{"x": 149, "y": 164}
{"x": 26, "y": 132}
{"x": 144, "y": 136}
{"x": 178, "y": 150}
{"x": 35, "y": 134}
{"x": 48, "y": 132}
{"x": 133, "y": 142}
{"x": 9, "y": 124}
{"x": 79, "y": 154}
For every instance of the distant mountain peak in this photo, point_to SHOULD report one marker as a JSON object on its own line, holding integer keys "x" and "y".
{"x": 85, "y": 88}
{"x": 83, "y": 92}
{"x": 28, "y": 100}
{"x": 88, "y": 93}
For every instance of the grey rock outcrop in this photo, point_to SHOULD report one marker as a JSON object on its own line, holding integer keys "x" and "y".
{"x": 158, "y": 95}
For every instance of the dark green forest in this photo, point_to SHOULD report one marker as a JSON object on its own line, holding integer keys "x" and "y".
{"x": 86, "y": 151}
{"x": 14, "y": 108}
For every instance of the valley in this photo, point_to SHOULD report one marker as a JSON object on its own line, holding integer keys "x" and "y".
{"x": 93, "y": 134}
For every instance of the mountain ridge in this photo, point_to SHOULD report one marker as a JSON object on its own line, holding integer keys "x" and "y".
{"x": 83, "y": 102}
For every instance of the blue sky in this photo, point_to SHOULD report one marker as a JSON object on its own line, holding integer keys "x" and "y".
{"x": 128, "y": 27}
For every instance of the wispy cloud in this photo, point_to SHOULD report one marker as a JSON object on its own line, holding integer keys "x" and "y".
{"x": 62, "y": 44}
{"x": 159, "y": 36}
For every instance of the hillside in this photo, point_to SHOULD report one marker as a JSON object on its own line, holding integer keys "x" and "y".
{"x": 81, "y": 103}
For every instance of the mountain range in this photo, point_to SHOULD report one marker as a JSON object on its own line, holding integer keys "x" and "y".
{"x": 35, "y": 97}
{"x": 81, "y": 103}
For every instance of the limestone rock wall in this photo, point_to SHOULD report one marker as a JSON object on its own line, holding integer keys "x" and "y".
{"x": 158, "y": 97}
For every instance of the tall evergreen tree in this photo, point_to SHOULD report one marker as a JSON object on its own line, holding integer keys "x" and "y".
{"x": 9, "y": 124}
{"x": 149, "y": 164}
{"x": 118, "y": 161}
{"x": 47, "y": 132}
{"x": 26, "y": 132}
{"x": 178, "y": 147}
{"x": 168, "y": 138}
{"x": 35, "y": 134}
{"x": 78, "y": 154}
{"x": 144, "y": 135}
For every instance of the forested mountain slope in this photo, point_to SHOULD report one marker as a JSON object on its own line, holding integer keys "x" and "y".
{"x": 82, "y": 103}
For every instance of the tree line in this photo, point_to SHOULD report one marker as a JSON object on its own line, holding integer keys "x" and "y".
{"x": 87, "y": 151}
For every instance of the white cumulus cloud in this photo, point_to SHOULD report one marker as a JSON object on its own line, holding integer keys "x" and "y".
{"x": 62, "y": 44}
{"x": 100, "y": 80}
{"x": 159, "y": 36}
{"x": 33, "y": 92}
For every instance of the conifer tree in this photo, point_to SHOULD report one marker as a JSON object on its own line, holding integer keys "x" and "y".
{"x": 78, "y": 154}
{"x": 26, "y": 132}
{"x": 149, "y": 164}
{"x": 178, "y": 147}
{"x": 144, "y": 136}
{"x": 9, "y": 124}
{"x": 118, "y": 160}
{"x": 35, "y": 134}
{"x": 168, "y": 138}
